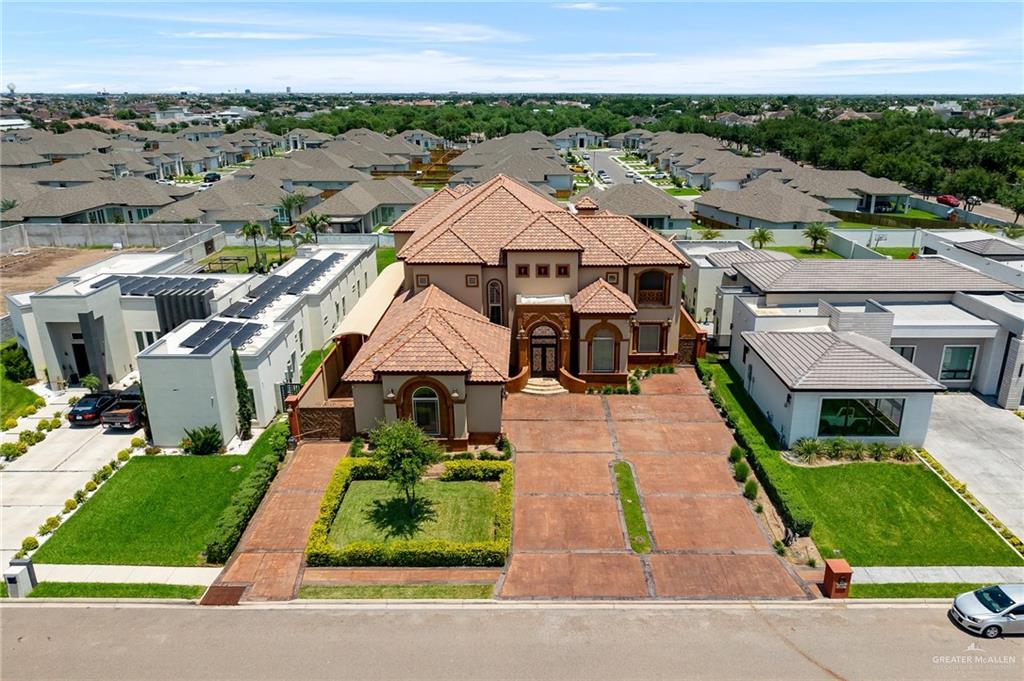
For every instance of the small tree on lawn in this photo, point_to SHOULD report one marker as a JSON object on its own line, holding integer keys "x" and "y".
{"x": 245, "y": 406}
{"x": 817, "y": 233}
{"x": 761, "y": 236}
{"x": 254, "y": 231}
{"x": 404, "y": 453}
{"x": 710, "y": 234}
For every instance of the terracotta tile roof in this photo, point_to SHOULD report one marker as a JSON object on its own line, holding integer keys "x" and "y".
{"x": 422, "y": 212}
{"x": 503, "y": 214}
{"x": 586, "y": 203}
{"x": 432, "y": 332}
{"x": 602, "y": 298}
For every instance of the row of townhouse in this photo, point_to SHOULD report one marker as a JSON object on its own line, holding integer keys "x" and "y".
{"x": 134, "y": 316}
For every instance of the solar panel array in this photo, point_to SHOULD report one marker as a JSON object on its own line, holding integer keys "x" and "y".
{"x": 274, "y": 287}
{"x": 213, "y": 333}
{"x": 133, "y": 285}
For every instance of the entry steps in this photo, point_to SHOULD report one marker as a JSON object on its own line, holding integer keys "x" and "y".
{"x": 544, "y": 386}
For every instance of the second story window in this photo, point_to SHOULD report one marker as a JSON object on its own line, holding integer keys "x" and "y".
{"x": 561, "y": 270}
{"x": 522, "y": 270}
{"x": 543, "y": 270}
{"x": 652, "y": 288}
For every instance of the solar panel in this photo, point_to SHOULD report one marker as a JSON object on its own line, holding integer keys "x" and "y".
{"x": 148, "y": 286}
{"x": 202, "y": 334}
{"x": 133, "y": 284}
{"x": 244, "y": 334}
{"x": 233, "y": 309}
{"x": 266, "y": 286}
{"x": 211, "y": 343}
{"x": 105, "y": 280}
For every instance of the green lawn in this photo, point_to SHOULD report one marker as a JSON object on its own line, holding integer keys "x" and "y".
{"x": 911, "y": 590}
{"x": 843, "y": 224}
{"x": 873, "y": 513}
{"x": 385, "y": 256}
{"x": 14, "y": 397}
{"x": 896, "y": 252}
{"x": 398, "y": 591}
{"x": 639, "y": 538}
{"x": 114, "y": 590}
{"x": 269, "y": 249}
{"x": 918, "y": 213}
{"x": 311, "y": 363}
{"x": 375, "y": 511}
{"x": 157, "y": 510}
{"x": 805, "y": 253}
{"x": 682, "y": 191}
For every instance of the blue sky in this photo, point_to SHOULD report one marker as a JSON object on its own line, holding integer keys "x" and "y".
{"x": 667, "y": 47}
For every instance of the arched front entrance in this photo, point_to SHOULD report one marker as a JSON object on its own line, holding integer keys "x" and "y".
{"x": 544, "y": 351}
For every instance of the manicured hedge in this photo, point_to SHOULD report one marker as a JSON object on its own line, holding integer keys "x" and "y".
{"x": 762, "y": 446}
{"x": 269, "y": 449}
{"x": 321, "y": 552}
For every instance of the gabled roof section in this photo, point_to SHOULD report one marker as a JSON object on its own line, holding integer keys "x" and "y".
{"x": 602, "y": 298}
{"x": 422, "y": 212}
{"x": 828, "y": 360}
{"x": 431, "y": 332}
{"x": 542, "y": 235}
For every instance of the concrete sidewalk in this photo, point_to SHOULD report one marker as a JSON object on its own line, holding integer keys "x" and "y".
{"x": 969, "y": 574}
{"x": 127, "y": 574}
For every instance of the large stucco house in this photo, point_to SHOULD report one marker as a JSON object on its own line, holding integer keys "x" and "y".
{"x": 502, "y": 289}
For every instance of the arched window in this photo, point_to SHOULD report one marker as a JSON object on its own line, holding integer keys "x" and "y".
{"x": 602, "y": 352}
{"x": 426, "y": 410}
{"x": 495, "y": 302}
{"x": 652, "y": 288}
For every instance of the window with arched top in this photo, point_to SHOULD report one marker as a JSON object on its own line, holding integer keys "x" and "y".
{"x": 426, "y": 410}
{"x": 602, "y": 352}
{"x": 495, "y": 302}
{"x": 652, "y": 288}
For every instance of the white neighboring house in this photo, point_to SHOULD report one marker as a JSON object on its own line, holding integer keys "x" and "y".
{"x": 188, "y": 373}
{"x": 993, "y": 254}
{"x": 13, "y": 124}
{"x": 576, "y": 138}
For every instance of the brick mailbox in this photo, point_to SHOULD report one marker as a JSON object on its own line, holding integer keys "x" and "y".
{"x": 838, "y": 574}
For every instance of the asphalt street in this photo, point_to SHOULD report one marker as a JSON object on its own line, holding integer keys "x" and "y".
{"x": 496, "y": 641}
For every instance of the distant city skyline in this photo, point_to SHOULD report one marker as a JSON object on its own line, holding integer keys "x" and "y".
{"x": 614, "y": 47}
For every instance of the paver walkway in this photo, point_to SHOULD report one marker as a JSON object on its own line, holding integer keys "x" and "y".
{"x": 268, "y": 562}
{"x": 127, "y": 574}
{"x": 569, "y": 538}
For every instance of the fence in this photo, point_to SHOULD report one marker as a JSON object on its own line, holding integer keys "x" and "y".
{"x": 29, "y": 235}
{"x": 376, "y": 239}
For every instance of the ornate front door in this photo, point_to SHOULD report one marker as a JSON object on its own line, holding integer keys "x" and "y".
{"x": 544, "y": 352}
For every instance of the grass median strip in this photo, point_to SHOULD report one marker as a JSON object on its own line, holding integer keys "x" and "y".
{"x": 398, "y": 591}
{"x": 114, "y": 590}
{"x": 629, "y": 498}
{"x": 911, "y": 590}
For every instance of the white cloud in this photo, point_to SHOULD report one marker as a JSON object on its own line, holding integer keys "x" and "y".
{"x": 587, "y": 7}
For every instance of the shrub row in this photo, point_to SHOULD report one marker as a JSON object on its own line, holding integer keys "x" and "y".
{"x": 841, "y": 449}
{"x": 269, "y": 449}
{"x": 764, "y": 457}
{"x": 320, "y": 552}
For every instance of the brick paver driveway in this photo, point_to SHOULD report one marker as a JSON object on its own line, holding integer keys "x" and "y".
{"x": 569, "y": 539}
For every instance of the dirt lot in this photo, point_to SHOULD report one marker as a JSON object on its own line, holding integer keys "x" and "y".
{"x": 40, "y": 268}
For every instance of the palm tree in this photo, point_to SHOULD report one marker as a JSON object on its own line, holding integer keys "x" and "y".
{"x": 316, "y": 223}
{"x": 709, "y": 234}
{"x": 254, "y": 231}
{"x": 761, "y": 236}
{"x": 817, "y": 233}
{"x": 1013, "y": 231}
{"x": 278, "y": 233}
{"x": 7, "y": 204}
{"x": 300, "y": 238}
{"x": 289, "y": 202}
{"x": 985, "y": 227}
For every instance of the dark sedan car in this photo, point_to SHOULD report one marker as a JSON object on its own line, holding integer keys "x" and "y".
{"x": 88, "y": 409}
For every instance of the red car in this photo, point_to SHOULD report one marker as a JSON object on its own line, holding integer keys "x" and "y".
{"x": 949, "y": 200}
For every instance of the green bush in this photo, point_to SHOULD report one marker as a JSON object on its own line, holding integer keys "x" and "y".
{"x": 269, "y": 449}
{"x": 39, "y": 402}
{"x": 31, "y": 437}
{"x": 461, "y": 456}
{"x": 29, "y": 544}
{"x": 740, "y": 471}
{"x": 762, "y": 454}
{"x": 357, "y": 448}
{"x": 16, "y": 363}
{"x": 10, "y": 424}
{"x": 43, "y": 426}
{"x": 51, "y": 524}
{"x": 30, "y": 410}
{"x": 73, "y": 400}
{"x": 750, "y": 489}
{"x": 779, "y": 547}
{"x": 736, "y": 454}
{"x": 9, "y": 450}
{"x": 138, "y": 443}
{"x": 202, "y": 441}
{"x": 434, "y": 553}
{"x": 90, "y": 486}
{"x": 80, "y": 495}
{"x": 124, "y": 455}
{"x": 55, "y": 423}
{"x": 903, "y": 453}
{"x": 152, "y": 451}
{"x": 70, "y": 505}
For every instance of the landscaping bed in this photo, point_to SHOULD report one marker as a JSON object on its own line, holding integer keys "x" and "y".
{"x": 268, "y": 250}
{"x": 169, "y": 510}
{"x": 363, "y": 523}
{"x": 871, "y": 513}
